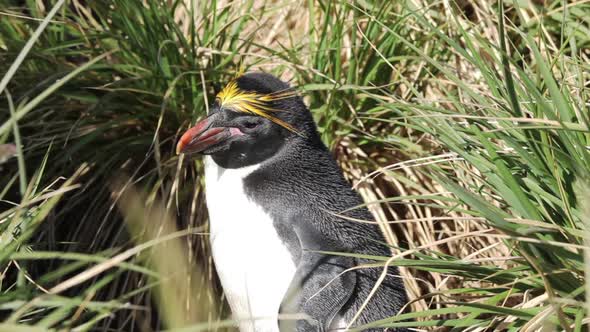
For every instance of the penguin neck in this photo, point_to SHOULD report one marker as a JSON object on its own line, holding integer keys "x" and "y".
{"x": 214, "y": 172}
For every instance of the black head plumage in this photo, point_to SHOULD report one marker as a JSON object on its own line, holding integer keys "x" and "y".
{"x": 252, "y": 119}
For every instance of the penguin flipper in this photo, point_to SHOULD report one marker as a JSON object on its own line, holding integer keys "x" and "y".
{"x": 319, "y": 290}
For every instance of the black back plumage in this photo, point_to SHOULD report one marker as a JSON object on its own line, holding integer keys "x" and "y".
{"x": 302, "y": 185}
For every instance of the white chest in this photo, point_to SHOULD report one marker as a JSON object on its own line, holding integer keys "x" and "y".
{"x": 252, "y": 262}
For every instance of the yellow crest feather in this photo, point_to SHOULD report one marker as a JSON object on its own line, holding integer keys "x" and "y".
{"x": 234, "y": 98}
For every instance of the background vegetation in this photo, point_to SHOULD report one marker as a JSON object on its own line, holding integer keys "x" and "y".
{"x": 464, "y": 125}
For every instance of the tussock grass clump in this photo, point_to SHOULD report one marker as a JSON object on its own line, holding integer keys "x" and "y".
{"x": 465, "y": 126}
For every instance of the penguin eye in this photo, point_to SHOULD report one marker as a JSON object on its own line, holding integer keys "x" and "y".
{"x": 250, "y": 125}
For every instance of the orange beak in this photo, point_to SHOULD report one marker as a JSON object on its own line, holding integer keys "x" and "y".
{"x": 202, "y": 136}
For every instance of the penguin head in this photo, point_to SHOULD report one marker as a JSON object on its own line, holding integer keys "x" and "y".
{"x": 253, "y": 118}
